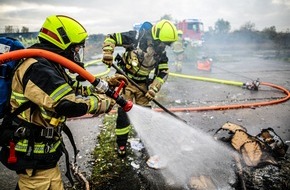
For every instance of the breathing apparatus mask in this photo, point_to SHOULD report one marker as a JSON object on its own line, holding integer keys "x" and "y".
{"x": 75, "y": 53}
{"x": 160, "y": 46}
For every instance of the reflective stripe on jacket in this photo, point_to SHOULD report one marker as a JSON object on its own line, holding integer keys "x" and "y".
{"x": 140, "y": 57}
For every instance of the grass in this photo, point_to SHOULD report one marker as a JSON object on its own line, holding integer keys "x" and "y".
{"x": 108, "y": 166}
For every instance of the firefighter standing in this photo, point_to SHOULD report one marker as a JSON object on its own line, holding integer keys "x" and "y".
{"x": 143, "y": 54}
{"x": 178, "y": 48}
{"x": 38, "y": 140}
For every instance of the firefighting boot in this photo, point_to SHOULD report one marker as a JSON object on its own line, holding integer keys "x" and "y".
{"x": 122, "y": 130}
{"x": 121, "y": 151}
{"x": 122, "y": 146}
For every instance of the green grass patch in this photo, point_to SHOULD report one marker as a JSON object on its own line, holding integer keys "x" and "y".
{"x": 108, "y": 166}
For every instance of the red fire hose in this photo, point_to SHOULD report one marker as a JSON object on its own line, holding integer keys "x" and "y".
{"x": 26, "y": 53}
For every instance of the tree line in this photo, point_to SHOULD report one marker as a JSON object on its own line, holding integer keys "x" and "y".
{"x": 247, "y": 34}
{"x": 221, "y": 33}
{"x": 11, "y": 29}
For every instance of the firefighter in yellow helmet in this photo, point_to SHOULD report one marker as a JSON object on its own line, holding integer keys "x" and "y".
{"x": 142, "y": 55}
{"x": 52, "y": 97}
{"x": 178, "y": 48}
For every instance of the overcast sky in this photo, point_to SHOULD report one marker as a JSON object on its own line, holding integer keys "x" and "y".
{"x": 106, "y": 16}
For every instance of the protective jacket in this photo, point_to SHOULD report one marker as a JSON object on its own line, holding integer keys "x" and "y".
{"x": 37, "y": 130}
{"x": 142, "y": 56}
{"x": 178, "y": 46}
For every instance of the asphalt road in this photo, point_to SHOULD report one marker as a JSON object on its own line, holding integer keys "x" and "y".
{"x": 178, "y": 92}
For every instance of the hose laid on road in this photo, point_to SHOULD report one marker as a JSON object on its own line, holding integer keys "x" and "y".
{"x": 227, "y": 107}
{"x": 19, "y": 54}
{"x": 237, "y": 106}
{"x": 207, "y": 79}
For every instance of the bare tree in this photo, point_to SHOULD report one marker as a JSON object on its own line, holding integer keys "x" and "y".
{"x": 8, "y": 29}
{"x": 270, "y": 32}
{"x": 222, "y": 26}
{"x": 248, "y": 26}
{"x": 167, "y": 17}
{"x": 24, "y": 29}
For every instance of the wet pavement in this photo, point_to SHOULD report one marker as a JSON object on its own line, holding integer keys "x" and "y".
{"x": 191, "y": 93}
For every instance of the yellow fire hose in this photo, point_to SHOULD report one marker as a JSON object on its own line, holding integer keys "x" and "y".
{"x": 207, "y": 79}
{"x": 233, "y": 106}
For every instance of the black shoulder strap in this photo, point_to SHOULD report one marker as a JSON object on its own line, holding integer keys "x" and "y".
{"x": 68, "y": 132}
{"x": 21, "y": 108}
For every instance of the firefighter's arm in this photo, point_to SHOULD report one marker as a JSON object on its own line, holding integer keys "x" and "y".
{"x": 124, "y": 39}
{"x": 108, "y": 50}
{"x": 93, "y": 102}
{"x": 100, "y": 103}
{"x": 83, "y": 90}
{"x": 56, "y": 95}
{"x": 154, "y": 88}
{"x": 72, "y": 106}
{"x": 113, "y": 81}
{"x": 160, "y": 79}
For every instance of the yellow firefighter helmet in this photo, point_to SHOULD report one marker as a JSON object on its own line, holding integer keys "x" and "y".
{"x": 165, "y": 31}
{"x": 180, "y": 33}
{"x": 62, "y": 31}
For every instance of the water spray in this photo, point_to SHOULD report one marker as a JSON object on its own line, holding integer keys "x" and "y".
{"x": 25, "y": 53}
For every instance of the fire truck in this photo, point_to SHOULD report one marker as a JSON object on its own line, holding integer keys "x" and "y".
{"x": 193, "y": 31}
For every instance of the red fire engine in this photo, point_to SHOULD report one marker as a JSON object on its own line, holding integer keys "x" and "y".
{"x": 192, "y": 30}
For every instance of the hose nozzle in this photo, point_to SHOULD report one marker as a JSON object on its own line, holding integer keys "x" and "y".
{"x": 125, "y": 104}
{"x": 102, "y": 86}
{"x": 254, "y": 85}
